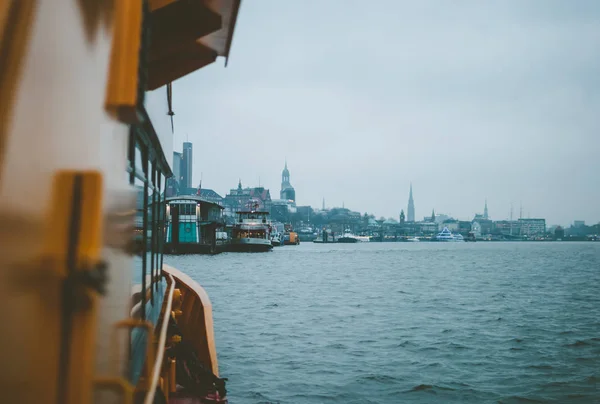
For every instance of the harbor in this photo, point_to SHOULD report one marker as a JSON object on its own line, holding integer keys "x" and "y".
{"x": 132, "y": 189}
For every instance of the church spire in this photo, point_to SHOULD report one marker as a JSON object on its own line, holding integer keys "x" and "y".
{"x": 485, "y": 210}
{"x": 287, "y": 190}
{"x": 410, "y": 217}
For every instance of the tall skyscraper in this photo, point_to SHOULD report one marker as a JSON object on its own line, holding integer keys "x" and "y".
{"x": 485, "y": 211}
{"x": 410, "y": 217}
{"x": 186, "y": 165}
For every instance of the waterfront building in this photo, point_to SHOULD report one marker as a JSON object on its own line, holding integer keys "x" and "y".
{"x": 476, "y": 229}
{"x": 428, "y": 228}
{"x": 506, "y": 228}
{"x": 238, "y": 199}
{"x": 452, "y": 225}
{"x": 210, "y": 195}
{"x": 282, "y": 210}
{"x": 485, "y": 225}
{"x": 441, "y": 218}
{"x": 464, "y": 227}
{"x": 532, "y": 227}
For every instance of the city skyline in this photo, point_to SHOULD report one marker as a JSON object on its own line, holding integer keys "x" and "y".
{"x": 287, "y": 176}
{"x": 474, "y": 100}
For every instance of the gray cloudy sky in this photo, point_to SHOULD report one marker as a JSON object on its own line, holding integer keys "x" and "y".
{"x": 467, "y": 99}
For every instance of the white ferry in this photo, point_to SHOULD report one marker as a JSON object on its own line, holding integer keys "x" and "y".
{"x": 446, "y": 235}
{"x": 251, "y": 232}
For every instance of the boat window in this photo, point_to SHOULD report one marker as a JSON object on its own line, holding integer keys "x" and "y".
{"x": 139, "y": 166}
{"x": 257, "y": 234}
{"x": 159, "y": 211}
{"x": 150, "y": 223}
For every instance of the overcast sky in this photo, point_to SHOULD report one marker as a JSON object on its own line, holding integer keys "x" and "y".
{"x": 467, "y": 99}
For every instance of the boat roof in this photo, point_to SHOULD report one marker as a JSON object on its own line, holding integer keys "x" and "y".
{"x": 245, "y": 212}
{"x": 255, "y": 226}
{"x": 187, "y": 36}
{"x": 221, "y": 40}
{"x": 192, "y": 198}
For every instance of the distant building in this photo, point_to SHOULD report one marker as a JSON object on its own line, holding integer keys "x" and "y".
{"x": 506, "y": 228}
{"x": 559, "y": 233}
{"x": 177, "y": 161}
{"x": 186, "y": 166}
{"x": 431, "y": 218}
{"x": 172, "y": 187}
{"x": 485, "y": 226}
{"x": 579, "y": 223}
{"x": 238, "y": 199}
{"x": 464, "y": 227}
{"x": 287, "y": 190}
{"x": 532, "y": 227}
{"x": 428, "y": 228}
{"x": 210, "y": 195}
{"x": 441, "y": 218}
{"x": 476, "y": 229}
{"x": 452, "y": 225}
{"x": 411, "y": 207}
{"x": 402, "y": 217}
{"x": 281, "y": 209}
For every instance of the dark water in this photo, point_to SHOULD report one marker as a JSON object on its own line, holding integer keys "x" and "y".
{"x": 407, "y": 322}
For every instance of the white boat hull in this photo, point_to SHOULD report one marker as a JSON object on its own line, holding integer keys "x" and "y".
{"x": 250, "y": 245}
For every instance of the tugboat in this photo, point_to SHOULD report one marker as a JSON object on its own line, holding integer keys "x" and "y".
{"x": 291, "y": 238}
{"x": 251, "y": 232}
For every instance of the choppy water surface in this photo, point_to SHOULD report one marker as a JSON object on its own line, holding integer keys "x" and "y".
{"x": 407, "y": 322}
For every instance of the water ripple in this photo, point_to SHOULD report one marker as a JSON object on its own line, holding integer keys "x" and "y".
{"x": 407, "y": 322}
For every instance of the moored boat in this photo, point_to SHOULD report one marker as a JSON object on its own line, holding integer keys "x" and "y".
{"x": 275, "y": 239}
{"x": 251, "y": 232}
{"x": 291, "y": 238}
{"x": 471, "y": 237}
{"x": 447, "y": 236}
{"x": 347, "y": 237}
